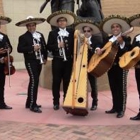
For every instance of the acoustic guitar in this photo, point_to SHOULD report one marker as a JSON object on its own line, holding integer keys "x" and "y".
{"x": 100, "y": 64}
{"x": 130, "y": 58}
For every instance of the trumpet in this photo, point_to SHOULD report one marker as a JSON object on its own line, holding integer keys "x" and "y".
{"x": 38, "y": 54}
{"x": 62, "y": 50}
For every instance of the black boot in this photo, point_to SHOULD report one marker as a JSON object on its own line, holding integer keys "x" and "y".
{"x": 94, "y": 105}
{"x": 111, "y": 111}
{"x": 4, "y": 106}
{"x": 137, "y": 117}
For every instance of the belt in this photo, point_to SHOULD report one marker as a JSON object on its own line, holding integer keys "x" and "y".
{"x": 115, "y": 64}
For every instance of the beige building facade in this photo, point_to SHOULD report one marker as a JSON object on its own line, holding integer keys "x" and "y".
{"x": 18, "y": 10}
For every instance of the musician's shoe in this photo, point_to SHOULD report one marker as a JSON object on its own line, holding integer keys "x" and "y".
{"x": 94, "y": 104}
{"x": 5, "y": 107}
{"x": 120, "y": 114}
{"x": 136, "y": 117}
{"x": 110, "y": 111}
{"x": 36, "y": 109}
{"x": 94, "y": 107}
{"x": 56, "y": 107}
{"x": 28, "y": 106}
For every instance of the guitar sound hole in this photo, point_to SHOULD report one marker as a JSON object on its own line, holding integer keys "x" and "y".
{"x": 132, "y": 53}
{"x": 80, "y": 100}
{"x": 83, "y": 65}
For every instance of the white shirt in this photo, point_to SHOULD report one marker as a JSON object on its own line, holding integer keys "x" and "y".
{"x": 89, "y": 40}
{"x": 138, "y": 38}
{"x": 63, "y": 32}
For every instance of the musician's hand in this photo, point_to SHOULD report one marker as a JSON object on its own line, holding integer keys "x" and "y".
{"x": 2, "y": 50}
{"x": 120, "y": 40}
{"x": 36, "y": 47}
{"x": 2, "y": 60}
{"x": 9, "y": 49}
{"x": 99, "y": 51}
{"x": 61, "y": 44}
{"x": 82, "y": 38}
{"x": 45, "y": 61}
{"x": 87, "y": 42}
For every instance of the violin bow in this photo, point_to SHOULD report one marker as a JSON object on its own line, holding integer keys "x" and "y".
{"x": 9, "y": 66}
{"x": 8, "y": 56}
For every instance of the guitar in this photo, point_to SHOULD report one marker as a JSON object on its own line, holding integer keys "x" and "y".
{"x": 99, "y": 64}
{"x": 130, "y": 58}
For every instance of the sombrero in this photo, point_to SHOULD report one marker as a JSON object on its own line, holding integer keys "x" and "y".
{"x": 135, "y": 20}
{"x": 70, "y": 16}
{"x": 79, "y": 24}
{"x": 4, "y": 20}
{"x": 108, "y": 21}
{"x": 30, "y": 19}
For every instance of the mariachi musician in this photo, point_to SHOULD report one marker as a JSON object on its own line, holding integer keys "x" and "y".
{"x": 61, "y": 44}
{"x": 134, "y": 21}
{"x": 90, "y": 29}
{"x": 33, "y": 46}
{"x": 115, "y": 26}
{"x": 5, "y": 47}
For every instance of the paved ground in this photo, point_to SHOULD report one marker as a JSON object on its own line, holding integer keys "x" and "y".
{"x": 22, "y": 124}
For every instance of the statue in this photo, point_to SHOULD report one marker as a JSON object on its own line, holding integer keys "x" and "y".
{"x": 57, "y": 5}
{"x": 90, "y": 9}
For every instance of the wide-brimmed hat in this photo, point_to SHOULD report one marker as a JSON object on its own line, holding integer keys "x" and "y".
{"x": 4, "y": 20}
{"x": 30, "y": 19}
{"x": 79, "y": 24}
{"x": 135, "y": 20}
{"x": 70, "y": 16}
{"x": 110, "y": 20}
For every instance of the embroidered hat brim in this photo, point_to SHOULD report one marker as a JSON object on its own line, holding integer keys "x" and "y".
{"x": 135, "y": 20}
{"x": 70, "y": 16}
{"x": 79, "y": 24}
{"x": 4, "y": 20}
{"x": 109, "y": 21}
{"x": 30, "y": 20}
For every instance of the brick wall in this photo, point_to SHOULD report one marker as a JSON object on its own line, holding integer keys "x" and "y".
{"x": 122, "y": 7}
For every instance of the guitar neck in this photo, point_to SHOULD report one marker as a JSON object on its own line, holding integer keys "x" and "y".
{"x": 127, "y": 32}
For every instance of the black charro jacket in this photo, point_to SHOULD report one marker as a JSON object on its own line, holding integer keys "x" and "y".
{"x": 25, "y": 46}
{"x": 52, "y": 44}
{"x": 4, "y": 43}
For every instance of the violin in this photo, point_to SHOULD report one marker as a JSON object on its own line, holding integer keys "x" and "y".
{"x": 9, "y": 69}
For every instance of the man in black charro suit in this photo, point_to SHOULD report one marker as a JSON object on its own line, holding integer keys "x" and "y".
{"x": 33, "y": 46}
{"x": 3, "y": 52}
{"x": 89, "y": 29}
{"x": 61, "y": 43}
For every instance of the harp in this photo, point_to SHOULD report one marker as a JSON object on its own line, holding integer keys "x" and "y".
{"x": 76, "y": 98}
